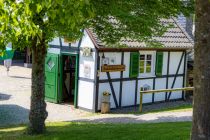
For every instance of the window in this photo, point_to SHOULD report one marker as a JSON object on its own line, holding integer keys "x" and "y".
{"x": 145, "y": 63}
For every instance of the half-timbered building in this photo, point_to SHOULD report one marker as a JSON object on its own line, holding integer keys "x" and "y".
{"x": 80, "y": 72}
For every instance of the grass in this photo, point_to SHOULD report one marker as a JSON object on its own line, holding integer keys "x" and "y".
{"x": 87, "y": 131}
{"x": 172, "y": 109}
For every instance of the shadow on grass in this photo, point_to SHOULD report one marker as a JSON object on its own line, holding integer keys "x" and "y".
{"x": 88, "y": 131}
{"x": 137, "y": 119}
{"x": 155, "y": 108}
{"x": 13, "y": 114}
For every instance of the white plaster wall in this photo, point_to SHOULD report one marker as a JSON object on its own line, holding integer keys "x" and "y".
{"x": 86, "y": 89}
{"x": 127, "y": 64}
{"x": 128, "y": 93}
{"x": 54, "y": 50}
{"x": 174, "y": 62}
{"x": 86, "y": 41}
{"x": 56, "y": 41}
{"x": 85, "y": 94}
{"x": 84, "y": 60}
{"x": 117, "y": 57}
{"x": 178, "y": 84}
{"x": 90, "y": 61}
{"x": 147, "y": 98}
{"x": 106, "y": 87}
{"x": 160, "y": 83}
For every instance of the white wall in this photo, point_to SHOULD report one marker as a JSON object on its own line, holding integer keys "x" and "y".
{"x": 128, "y": 87}
{"x": 147, "y": 98}
{"x": 85, "y": 94}
{"x": 174, "y": 62}
{"x": 160, "y": 83}
{"x": 106, "y": 87}
{"x": 56, "y": 41}
{"x": 178, "y": 84}
{"x": 86, "y": 89}
{"x": 117, "y": 57}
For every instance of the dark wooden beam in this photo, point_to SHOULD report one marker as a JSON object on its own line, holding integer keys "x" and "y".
{"x": 112, "y": 89}
{"x": 121, "y": 81}
{"x": 136, "y": 92}
{"x": 97, "y": 81}
{"x": 153, "y": 87}
{"x": 167, "y": 78}
{"x": 133, "y": 79}
{"x": 184, "y": 77}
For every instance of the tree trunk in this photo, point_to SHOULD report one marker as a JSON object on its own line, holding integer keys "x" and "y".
{"x": 38, "y": 113}
{"x": 201, "y": 105}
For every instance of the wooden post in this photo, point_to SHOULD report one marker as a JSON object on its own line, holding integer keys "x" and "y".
{"x": 141, "y": 100}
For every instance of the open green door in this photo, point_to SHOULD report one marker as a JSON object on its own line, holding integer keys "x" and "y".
{"x": 51, "y": 77}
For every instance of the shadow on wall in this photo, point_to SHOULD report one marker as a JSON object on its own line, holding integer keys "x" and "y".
{"x": 12, "y": 115}
{"x": 4, "y": 97}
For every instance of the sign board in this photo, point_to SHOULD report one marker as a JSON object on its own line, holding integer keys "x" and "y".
{"x": 86, "y": 51}
{"x": 112, "y": 68}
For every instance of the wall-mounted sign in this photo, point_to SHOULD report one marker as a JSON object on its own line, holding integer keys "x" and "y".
{"x": 87, "y": 70}
{"x": 86, "y": 51}
{"x": 112, "y": 68}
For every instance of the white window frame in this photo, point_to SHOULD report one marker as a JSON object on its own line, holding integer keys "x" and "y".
{"x": 152, "y": 73}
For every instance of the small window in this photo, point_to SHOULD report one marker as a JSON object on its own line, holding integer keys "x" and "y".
{"x": 145, "y": 63}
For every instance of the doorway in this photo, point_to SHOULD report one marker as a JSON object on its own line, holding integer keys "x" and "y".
{"x": 69, "y": 80}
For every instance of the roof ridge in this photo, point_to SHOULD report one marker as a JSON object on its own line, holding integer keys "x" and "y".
{"x": 183, "y": 30}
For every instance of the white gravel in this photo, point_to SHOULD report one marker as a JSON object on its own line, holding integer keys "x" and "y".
{"x": 15, "y": 91}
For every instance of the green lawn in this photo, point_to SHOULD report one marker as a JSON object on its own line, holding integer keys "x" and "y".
{"x": 172, "y": 109}
{"x": 86, "y": 131}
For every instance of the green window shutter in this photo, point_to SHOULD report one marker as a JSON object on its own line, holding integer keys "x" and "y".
{"x": 159, "y": 63}
{"x": 134, "y": 64}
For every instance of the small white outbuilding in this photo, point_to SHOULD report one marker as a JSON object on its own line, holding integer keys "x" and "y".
{"x": 80, "y": 72}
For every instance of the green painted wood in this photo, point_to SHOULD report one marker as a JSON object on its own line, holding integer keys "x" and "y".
{"x": 51, "y": 77}
{"x": 159, "y": 63}
{"x": 76, "y": 82}
{"x": 134, "y": 64}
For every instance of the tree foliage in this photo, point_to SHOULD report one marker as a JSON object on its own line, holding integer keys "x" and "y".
{"x": 22, "y": 20}
{"x": 135, "y": 19}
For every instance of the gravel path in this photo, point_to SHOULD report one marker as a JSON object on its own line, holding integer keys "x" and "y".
{"x": 15, "y": 91}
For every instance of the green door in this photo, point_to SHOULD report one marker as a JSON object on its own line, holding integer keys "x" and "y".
{"x": 51, "y": 77}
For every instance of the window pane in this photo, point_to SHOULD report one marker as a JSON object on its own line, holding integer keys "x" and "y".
{"x": 149, "y": 63}
{"x": 148, "y": 66}
{"x": 141, "y": 65}
{"x": 149, "y": 57}
{"x": 142, "y": 57}
{"x": 148, "y": 69}
{"x": 141, "y": 70}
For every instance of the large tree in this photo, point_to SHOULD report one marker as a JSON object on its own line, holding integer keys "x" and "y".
{"x": 33, "y": 23}
{"x": 201, "y": 106}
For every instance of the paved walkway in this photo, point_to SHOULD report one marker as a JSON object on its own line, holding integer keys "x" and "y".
{"x": 15, "y": 90}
